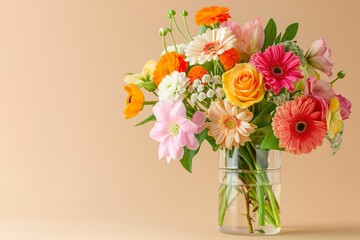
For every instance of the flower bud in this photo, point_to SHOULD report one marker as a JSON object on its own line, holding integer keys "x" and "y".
{"x": 171, "y": 13}
{"x": 184, "y": 13}
{"x": 163, "y": 32}
{"x": 341, "y": 74}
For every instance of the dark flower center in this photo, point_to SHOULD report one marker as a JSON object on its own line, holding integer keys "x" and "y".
{"x": 129, "y": 99}
{"x": 300, "y": 127}
{"x": 277, "y": 70}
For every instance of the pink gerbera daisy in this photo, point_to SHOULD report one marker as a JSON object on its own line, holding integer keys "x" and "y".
{"x": 279, "y": 68}
{"x": 299, "y": 126}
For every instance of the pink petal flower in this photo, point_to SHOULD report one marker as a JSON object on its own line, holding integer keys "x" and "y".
{"x": 299, "y": 126}
{"x": 173, "y": 130}
{"x": 345, "y": 106}
{"x": 320, "y": 90}
{"x": 199, "y": 119}
{"x": 250, "y": 38}
{"x": 279, "y": 68}
{"x": 319, "y": 56}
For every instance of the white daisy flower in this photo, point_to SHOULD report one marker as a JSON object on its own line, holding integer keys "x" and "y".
{"x": 173, "y": 87}
{"x": 209, "y": 45}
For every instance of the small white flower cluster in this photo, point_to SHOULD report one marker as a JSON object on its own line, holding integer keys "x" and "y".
{"x": 279, "y": 99}
{"x": 336, "y": 142}
{"x": 206, "y": 88}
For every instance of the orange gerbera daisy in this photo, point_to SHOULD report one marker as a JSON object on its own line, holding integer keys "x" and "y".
{"x": 196, "y": 72}
{"x": 212, "y": 15}
{"x": 229, "y": 58}
{"x": 134, "y": 101}
{"x": 168, "y": 63}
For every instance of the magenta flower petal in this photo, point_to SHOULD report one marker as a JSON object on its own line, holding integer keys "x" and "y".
{"x": 279, "y": 68}
{"x": 345, "y": 106}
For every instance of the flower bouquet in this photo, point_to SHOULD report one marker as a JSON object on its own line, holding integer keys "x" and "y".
{"x": 248, "y": 91}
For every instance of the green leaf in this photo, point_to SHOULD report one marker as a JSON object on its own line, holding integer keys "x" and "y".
{"x": 186, "y": 160}
{"x": 148, "y": 85}
{"x": 290, "y": 32}
{"x": 270, "y": 34}
{"x": 212, "y": 142}
{"x": 209, "y": 66}
{"x": 149, "y": 119}
{"x": 264, "y": 117}
{"x": 270, "y": 141}
{"x": 277, "y": 39}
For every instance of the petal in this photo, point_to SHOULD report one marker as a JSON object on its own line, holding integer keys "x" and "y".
{"x": 177, "y": 110}
{"x": 191, "y": 142}
{"x": 199, "y": 119}
{"x": 159, "y": 132}
{"x": 187, "y": 126}
{"x": 162, "y": 111}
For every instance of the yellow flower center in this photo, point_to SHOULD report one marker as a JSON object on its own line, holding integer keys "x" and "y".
{"x": 174, "y": 129}
{"x": 230, "y": 122}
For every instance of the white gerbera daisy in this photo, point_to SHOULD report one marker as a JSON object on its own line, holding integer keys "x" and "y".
{"x": 173, "y": 87}
{"x": 209, "y": 45}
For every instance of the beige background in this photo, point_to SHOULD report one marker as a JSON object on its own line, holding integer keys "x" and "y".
{"x": 72, "y": 168}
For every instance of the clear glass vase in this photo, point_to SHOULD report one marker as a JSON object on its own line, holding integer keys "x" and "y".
{"x": 249, "y": 192}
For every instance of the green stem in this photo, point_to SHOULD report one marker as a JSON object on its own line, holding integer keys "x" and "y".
{"x": 250, "y": 227}
{"x": 164, "y": 43}
{"x": 172, "y": 35}
{"x": 333, "y": 81}
{"x": 187, "y": 28}
{"x": 224, "y": 204}
{"x": 181, "y": 33}
{"x": 149, "y": 102}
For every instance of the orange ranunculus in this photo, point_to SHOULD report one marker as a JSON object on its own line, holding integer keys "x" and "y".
{"x": 196, "y": 72}
{"x": 243, "y": 85}
{"x": 230, "y": 58}
{"x": 212, "y": 15}
{"x": 168, "y": 63}
{"x": 134, "y": 101}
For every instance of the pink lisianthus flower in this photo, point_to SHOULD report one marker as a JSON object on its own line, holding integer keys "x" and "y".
{"x": 345, "y": 106}
{"x": 174, "y": 131}
{"x": 250, "y": 38}
{"x": 319, "y": 56}
{"x": 320, "y": 90}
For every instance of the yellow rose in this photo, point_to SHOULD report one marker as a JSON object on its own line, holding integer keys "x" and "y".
{"x": 243, "y": 85}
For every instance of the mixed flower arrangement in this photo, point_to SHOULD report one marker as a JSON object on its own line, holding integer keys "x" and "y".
{"x": 235, "y": 85}
{"x": 244, "y": 90}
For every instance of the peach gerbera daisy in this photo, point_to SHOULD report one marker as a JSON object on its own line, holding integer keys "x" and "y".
{"x": 168, "y": 63}
{"x": 299, "y": 126}
{"x": 209, "y": 45}
{"x": 212, "y": 15}
{"x": 229, "y": 124}
{"x": 230, "y": 58}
